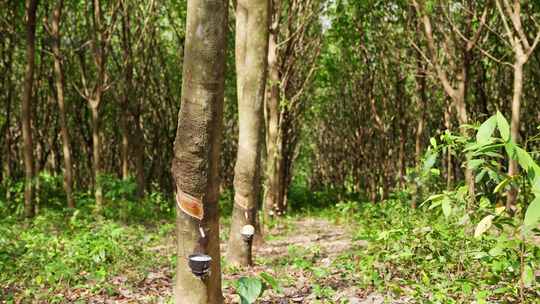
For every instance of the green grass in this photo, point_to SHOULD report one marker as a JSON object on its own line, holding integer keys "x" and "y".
{"x": 419, "y": 254}
{"x": 61, "y": 250}
{"x": 423, "y": 255}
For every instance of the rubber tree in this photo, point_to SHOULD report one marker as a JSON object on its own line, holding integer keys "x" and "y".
{"x": 510, "y": 13}
{"x": 454, "y": 84}
{"x": 59, "y": 86}
{"x": 93, "y": 93}
{"x": 251, "y": 62}
{"x": 197, "y": 148}
{"x": 31, "y": 7}
{"x": 293, "y": 48}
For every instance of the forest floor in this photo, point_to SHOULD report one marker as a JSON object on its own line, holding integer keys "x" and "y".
{"x": 303, "y": 252}
{"x": 351, "y": 253}
{"x": 300, "y": 252}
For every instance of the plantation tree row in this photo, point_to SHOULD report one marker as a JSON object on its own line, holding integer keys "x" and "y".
{"x": 100, "y": 97}
{"x": 91, "y": 89}
{"x": 384, "y": 87}
{"x": 256, "y": 96}
{"x": 344, "y": 93}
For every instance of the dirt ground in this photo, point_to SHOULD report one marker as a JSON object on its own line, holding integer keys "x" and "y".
{"x": 328, "y": 239}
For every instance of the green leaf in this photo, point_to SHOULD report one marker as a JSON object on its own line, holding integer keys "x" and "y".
{"x": 510, "y": 149}
{"x": 430, "y": 160}
{"x": 483, "y": 226}
{"x": 532, "y": 215}
{"x": 480, "y": 176}
{"x": 271, "y": 281}
{"x": 484, "y": 202}
{"x": 524, "y": 159}
{"x": 433, "y": 142}
{"x": 475, "y": 163}
{"x": 446, "y": 207}
{"x": 249, "y": 289}
{"x": 434, "y": 197}
{"x": 536, "y": 183}
{"x": 486, "y": 130}
{"x": 528, "y": 276}
{"x": 502, "y": 184}
{"x": 502, "y": 125}
{"x": 496, "y": 251}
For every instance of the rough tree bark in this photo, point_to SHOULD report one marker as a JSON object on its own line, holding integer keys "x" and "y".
{"x": 197, "y": 148}
{"x": 251, "y": 63}
{"x": 59, "y": 84}
{"x": 31, "y": 7}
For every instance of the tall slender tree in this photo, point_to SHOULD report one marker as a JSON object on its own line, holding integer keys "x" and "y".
{"x": 293, "y": 48}
{"x": 251, "y": 62}
{"x": 101, "y": 35}
{"x": 197, "y": 149}
{"x": 26, "y": 114}
{"x": 455, "y": 80}
{"x": 510, "y": 13}
{"x": 60, "y": 85}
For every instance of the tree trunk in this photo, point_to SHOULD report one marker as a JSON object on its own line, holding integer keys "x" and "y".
{"x": 59, "y": 83}
{"x": 272, "y": 193}
{"x": 422, "y": 103}
{"x": 401, "y": 157}
{"x": 449, "y": 164}
{"x": 124, "y": 145}
{"x": 251, "y": 63}
{"x": 463, "y": 118}
{"x": 96, "y": 153}
{"x": 31, "y": 7}
{"x": 195, "y": 166}
{"x": 128, "y": 76}
{"x": 7, "y": 144}
{"x": 513, "y": 168}
{"x": 138, "y": 148}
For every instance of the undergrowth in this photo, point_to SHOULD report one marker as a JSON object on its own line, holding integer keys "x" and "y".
{"x": 414, "y": 254}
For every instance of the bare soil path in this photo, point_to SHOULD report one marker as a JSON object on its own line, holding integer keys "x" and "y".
{"x": 299, "y": 253}
{"x": 299, "y": 248}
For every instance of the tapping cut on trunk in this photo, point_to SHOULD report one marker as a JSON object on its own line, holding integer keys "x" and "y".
{"x": 190, "y": 205}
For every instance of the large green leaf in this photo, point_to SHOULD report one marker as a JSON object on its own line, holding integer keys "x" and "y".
{"x": 249, "y": 289}
{"x": 536, "y": 183}
{"x": 430, "y": 160}
{"x": 532, "y": 215}
{"x": 502, "y": 125}
{"x": 446, "y": 207}
{"x": 483, "y": 226}
{"x": 524, "y": 159}
{"x": 486, "y": 130}
{"x": 433, "y": 142}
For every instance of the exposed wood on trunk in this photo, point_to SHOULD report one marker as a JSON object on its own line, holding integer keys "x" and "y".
{"x": 197, "y": 147}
